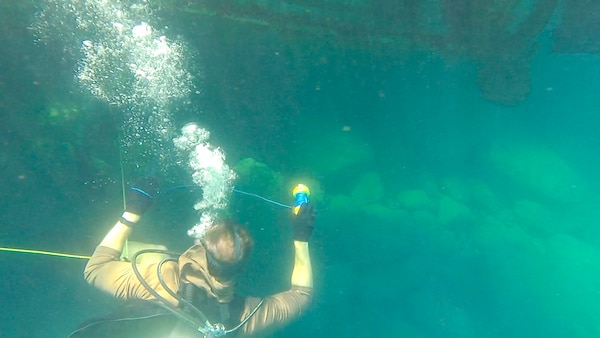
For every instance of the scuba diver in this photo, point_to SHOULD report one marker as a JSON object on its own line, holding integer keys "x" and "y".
{"x": 192, "y": 295}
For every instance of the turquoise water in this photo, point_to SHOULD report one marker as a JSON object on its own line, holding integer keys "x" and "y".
{"x": 452, "y": 200}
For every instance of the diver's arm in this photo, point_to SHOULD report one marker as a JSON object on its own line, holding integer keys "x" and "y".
{"x": 302, "y": 272}
{"x": 106, "y": 271}
{"x": 280, "y": 309}
{"x": 303, "y": 224}
{"x": 139, "y": 198}
{"x": 116, "y": 237}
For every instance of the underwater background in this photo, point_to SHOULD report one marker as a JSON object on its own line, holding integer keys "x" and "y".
{"x": 451, "y": 148}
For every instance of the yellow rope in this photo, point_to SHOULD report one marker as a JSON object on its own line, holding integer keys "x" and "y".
{"x": 47, "y": 253}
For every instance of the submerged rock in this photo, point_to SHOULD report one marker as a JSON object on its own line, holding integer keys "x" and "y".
{"x": 368, "y": 189}
{"x": 415, "y": 199}
{"x": 536, "y": 170}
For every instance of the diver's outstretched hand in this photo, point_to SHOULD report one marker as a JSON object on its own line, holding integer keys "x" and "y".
{"x": 141, "y": 195}
{"x": 304, "y": 222}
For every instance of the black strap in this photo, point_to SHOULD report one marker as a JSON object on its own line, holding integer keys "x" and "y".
{"x": 127, "y": 222}
{"x": 229, "y": 314}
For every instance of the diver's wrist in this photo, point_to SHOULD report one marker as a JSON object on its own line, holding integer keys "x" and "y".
{"x": 300, "y": 245}
{"x": 129, "y": 219}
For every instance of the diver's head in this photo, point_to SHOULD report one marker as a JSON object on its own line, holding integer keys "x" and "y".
{"x": 228, "y": 247}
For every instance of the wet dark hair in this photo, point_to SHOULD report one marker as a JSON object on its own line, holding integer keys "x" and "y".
{"x": 228, "y": 247}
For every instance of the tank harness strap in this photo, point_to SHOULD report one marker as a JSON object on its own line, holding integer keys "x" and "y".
{"x": 194, "y": 295}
